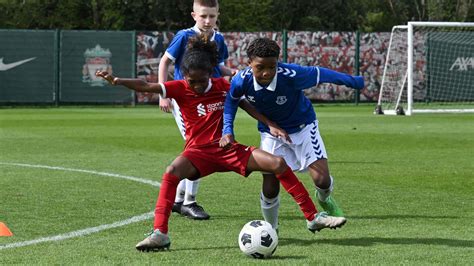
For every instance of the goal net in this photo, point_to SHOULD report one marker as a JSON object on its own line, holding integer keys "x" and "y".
{"x": 429, "y": 68}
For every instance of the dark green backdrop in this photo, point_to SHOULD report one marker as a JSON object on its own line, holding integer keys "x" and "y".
{"x": 84, "y": 52}
{"x": 32, "y": 81}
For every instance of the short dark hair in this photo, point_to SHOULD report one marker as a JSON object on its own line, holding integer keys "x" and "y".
{"x": 207, "y": 3}
{"x": 201, "y": 53}
{"x": 263, "y": 47}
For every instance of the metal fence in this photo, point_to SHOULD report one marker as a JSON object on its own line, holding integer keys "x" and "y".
{"x": 57, "y": 67}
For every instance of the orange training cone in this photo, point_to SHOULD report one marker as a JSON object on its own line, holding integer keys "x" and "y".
{"x": 4, "y": 231}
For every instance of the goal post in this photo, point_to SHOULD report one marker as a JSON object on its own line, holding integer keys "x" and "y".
{"x": 429, "y": 68}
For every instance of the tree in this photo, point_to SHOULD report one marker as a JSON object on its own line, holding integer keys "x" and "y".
{"x": 236, "y": 15}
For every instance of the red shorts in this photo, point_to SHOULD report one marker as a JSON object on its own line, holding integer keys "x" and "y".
{"x": 212, "y": 158}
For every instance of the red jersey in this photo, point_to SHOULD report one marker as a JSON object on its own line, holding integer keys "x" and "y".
{"x": 202, "y": 113}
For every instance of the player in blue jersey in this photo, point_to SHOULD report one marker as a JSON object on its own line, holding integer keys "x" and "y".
{"x": 276, "y": 90}
{"x": 205, "y": 13}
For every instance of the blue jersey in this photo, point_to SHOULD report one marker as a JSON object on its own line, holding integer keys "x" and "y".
{"x": 283, "y": 101}
{"x": 177, "y": 47}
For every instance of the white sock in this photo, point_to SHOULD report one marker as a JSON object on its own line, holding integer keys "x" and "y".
{"x": 191, "y": 191}
{"x": 323, "y": 194}
{"x": 180, "y": 191}
{"x": 270, "y": 209}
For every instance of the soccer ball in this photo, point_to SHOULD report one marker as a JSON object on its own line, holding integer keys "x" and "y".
{"x": 258, "y": 239}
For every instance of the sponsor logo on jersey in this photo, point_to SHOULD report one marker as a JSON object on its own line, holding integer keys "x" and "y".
{"x": 215, "y": 106}
{"x": 251, "y": 98}
{"x": 97, "y": 58}
{"x": 281, "y": 100}
{"x": 5, "y": 67}
{"x": 463, "y": 64}
{"x": 201, "y": 110}
{"x": 204, "y": 109}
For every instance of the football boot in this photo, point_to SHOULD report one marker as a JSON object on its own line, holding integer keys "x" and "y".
{"x": 323, "y": 220}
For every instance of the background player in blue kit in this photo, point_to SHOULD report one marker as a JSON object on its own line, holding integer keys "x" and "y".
{"x": 276, "y": 90}
{"x": 205, "y": 13}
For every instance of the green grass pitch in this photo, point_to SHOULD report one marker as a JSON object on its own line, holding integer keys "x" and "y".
{"x": 405, "y": 184}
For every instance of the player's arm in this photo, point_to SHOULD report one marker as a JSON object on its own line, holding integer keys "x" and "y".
{"x": 176, "y": 47}
{"x": 133, "y": 84}
{"x": 230, "y": 109}
{"x": 227, "y": 71}
{"x": 223, "y": 56}
{"x": 338, "y": 78}
{"x": 165, "y": 104}
{"x": 165, "y": 63}
{"x": 275, "y": 130}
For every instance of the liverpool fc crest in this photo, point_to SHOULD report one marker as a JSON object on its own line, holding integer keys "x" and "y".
{"x": 96, "y": 59}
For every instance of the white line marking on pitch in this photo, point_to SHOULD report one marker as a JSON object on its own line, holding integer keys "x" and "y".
{"x": 90, "y": 230}
{"x": 79, "y": 233}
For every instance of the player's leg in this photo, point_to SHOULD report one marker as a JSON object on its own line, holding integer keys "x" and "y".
{"x": 181, "y": 190}
{"x": 180, "y": 194}
{"x": 263, "y": 161}
{"x": 324, "y": 184}
{"x": 190, "y": 207}
{"x": 158, "y": 239}
{"x": 317, "y": 164}
{"x": 270, "y": 199}
{"x": 266, "y": 162}
{"x": 187, "y": 205}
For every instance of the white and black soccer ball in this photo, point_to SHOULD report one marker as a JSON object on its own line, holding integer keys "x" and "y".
{"x": 258, "y": 239}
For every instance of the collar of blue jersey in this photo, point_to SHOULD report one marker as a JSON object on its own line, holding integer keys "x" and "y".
{"x": 198, "y": 31}
{"x": 271, "y": 87}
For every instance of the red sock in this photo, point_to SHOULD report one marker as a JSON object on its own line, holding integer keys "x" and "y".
{"x": 165, "y": 201}
{"x": 292, "y": 185}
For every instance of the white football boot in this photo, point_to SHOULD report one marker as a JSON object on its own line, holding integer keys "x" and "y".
{"x": 323, "y": 220}
{"x": 155, "y": 241}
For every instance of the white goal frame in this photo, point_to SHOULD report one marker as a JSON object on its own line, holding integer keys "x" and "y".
{"x": 408, "y": 78}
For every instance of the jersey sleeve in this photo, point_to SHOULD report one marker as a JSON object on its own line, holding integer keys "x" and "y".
{"x": 177, "y": 45}
{"x": 173, "y": 89}
{"x": 231, "y": 104}
{"x": 223, "y": 51}
{"x": 331, "y": 76}
{"x": 304, "y": 76}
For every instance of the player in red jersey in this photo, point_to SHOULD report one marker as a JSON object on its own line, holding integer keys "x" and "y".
{"x": 202, "y": 102}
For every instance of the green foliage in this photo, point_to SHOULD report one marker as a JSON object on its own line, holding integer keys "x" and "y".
{"x": 235, "y": 15}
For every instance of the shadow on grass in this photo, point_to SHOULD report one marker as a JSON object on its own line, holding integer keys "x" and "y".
{"x": 401, "y": 217}
{"x": 349, "y": 217}
{"x": 274, "y": 258}
{"x": 370, "y": 241}
{"x": 233, "y": 248}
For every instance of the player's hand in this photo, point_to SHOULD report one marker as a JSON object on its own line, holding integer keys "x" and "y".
{"x": 233, "y": 72}
{"x": 279, "y": 132}
{"x": 105, "y": 75}
{"x": 165, "y": 105}
{"x": 226, "y": 141}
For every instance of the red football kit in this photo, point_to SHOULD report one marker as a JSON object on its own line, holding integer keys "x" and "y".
{"x": 203, "y": 118}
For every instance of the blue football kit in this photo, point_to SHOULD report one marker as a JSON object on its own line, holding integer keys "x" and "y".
{"x": 283, "y": 100}
{"x": 177, "y": 47}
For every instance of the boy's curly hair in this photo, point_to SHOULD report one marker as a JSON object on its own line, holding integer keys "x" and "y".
{"x": 263, "y": 47}
{"x": 201, "y": 53}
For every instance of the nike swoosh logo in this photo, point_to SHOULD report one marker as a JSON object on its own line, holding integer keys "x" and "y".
{"x": 5, "y": 67}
